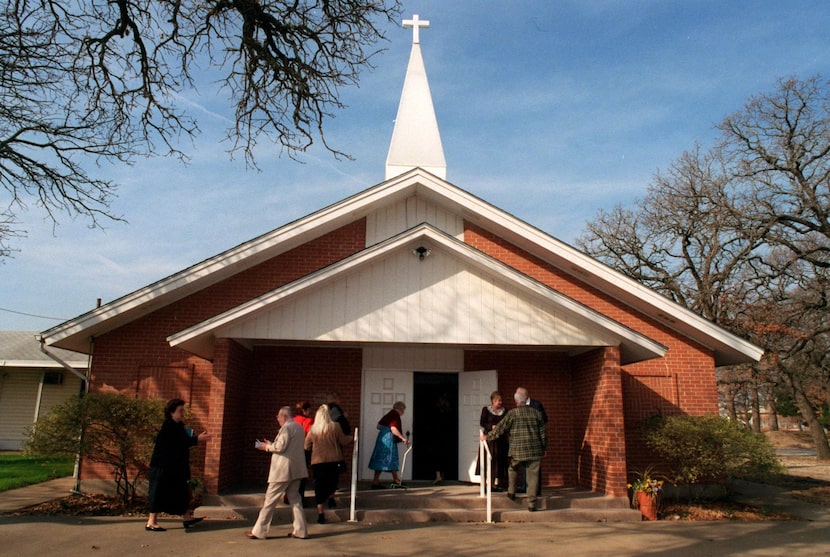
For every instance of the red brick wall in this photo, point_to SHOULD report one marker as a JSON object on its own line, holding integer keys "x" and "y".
{"x": 282, "y": 376}
{"x": 682, "y": 381}
{"x": 230, "y": 398}
{"x": 119, "y": 355}
{"x": 598, "y": 421}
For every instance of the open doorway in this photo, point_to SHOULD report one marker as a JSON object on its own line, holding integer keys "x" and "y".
{"x": 435, "y": 426}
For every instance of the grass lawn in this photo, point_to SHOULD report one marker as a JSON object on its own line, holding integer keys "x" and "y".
{"x": 17, "y": 470}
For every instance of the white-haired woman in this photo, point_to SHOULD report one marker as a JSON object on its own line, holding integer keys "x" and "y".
{"x": 325, "y": 440}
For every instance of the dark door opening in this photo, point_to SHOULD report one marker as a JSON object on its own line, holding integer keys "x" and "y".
{"x": 435, "y": 426}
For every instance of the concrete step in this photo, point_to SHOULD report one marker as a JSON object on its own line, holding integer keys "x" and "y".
{"x": 443, "y": 503}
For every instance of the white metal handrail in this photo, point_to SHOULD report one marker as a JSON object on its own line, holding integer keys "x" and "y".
{"x": 355, "y": 449}
{"x": 486, "y": 477}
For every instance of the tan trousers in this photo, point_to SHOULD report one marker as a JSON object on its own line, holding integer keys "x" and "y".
{"x": 273, "y": 495}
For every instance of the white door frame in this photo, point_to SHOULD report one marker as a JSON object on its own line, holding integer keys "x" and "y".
{"x": 382, "y": 388}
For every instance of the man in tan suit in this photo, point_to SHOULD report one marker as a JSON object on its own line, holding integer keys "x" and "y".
{"x": 287, "y": 469}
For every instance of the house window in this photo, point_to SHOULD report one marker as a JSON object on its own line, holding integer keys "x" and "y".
{"x": 53, "y": 378}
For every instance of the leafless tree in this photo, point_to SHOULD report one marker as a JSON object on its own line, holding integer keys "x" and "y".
{"x": 793, "y": 323}
{"x": 686, "y": 239}
{"x": 98, "y": 81}
{"x": 781, "y": 145}
{"x": 780, "y": 142}
{"x": 741, "y": 235}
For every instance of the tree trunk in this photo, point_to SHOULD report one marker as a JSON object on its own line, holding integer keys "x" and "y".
{"x": 755, "y": 406}
{"x": 811, "y": 417}
{"x": 730, "y": 403}
{"x": 773, "y": 416}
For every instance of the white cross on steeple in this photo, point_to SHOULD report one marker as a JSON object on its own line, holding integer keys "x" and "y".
{"x": 416, "y": 24}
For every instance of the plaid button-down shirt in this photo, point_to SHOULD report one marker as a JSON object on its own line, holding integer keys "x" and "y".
{"x": 526, "y": 426}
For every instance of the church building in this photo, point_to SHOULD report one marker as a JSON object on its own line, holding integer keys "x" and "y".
{"x": 413, "y": 290}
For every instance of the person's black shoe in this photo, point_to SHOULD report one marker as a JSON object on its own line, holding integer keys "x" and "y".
{"x": 321, "y": 519}
{"x": 151, "y": 528}
{"x": 192, "y": 521}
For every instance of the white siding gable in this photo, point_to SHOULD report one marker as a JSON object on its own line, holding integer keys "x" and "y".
{"x": 400, "y": 299}
{"x": 410, "y": 211}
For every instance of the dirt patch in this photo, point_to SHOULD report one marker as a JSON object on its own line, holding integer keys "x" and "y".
{"x": 790, "y": 439}
{"x": 718, "y": 510}
{"x": 815, "y": 495}
{"x": 807, "y": 478}
{"x": 85, "y": 505}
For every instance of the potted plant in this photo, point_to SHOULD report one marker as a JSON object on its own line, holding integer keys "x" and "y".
{"x": 645, "y": 490}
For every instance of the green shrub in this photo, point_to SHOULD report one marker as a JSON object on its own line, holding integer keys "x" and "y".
{"x": 709, "y": 449}
{"x": 113, "y": 429}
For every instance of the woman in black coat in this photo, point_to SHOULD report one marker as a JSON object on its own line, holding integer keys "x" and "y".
{"x": 169, "y": 491}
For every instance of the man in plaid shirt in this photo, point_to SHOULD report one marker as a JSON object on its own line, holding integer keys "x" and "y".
{"x": 528, "y": 442}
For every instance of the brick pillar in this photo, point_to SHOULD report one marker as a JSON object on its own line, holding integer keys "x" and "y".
{"x": 599, "y": 422}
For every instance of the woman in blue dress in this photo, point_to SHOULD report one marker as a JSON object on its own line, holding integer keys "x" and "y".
{"x": 385, "y": 455}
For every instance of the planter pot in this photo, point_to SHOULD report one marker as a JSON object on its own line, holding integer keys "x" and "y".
{"x": 648, "y": 505}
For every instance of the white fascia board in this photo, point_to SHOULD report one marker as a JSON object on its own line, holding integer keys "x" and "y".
{"x": 47, "y": 364}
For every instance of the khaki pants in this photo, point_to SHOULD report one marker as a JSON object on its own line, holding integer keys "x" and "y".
{"x": 273, "y": 495}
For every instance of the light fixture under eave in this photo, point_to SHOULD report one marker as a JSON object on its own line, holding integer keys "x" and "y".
{"x": 421, "y": 252}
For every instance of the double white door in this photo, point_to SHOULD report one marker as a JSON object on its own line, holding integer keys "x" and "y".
{"x": 381, "y": 389}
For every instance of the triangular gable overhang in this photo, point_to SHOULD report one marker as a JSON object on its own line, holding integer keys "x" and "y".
{"x": 726, "y": 347}
{"x": 199, "y": 339}
{"x": 76, "y": 333}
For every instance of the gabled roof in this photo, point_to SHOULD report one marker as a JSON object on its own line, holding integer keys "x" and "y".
{"x": 727, "y": 348}
{"x": 557, "y": 320}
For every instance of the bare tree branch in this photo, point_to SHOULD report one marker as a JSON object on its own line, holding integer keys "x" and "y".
{"x": 85, "y": 83}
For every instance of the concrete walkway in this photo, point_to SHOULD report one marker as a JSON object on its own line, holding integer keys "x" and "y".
{"x": 122, "y": 536}
{"x": 222, "y": 534}
{"x": 759, "y": 495}
{"x": 15, "y": 499}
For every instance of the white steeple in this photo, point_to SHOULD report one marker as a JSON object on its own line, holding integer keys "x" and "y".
{"x": 416, "y": 141}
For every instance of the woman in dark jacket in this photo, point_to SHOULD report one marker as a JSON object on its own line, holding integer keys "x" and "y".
{"x": 169, "y": 491}
{"x": 490, "y": 417}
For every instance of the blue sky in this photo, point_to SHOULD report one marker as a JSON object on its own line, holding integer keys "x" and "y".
{"x": 550, "y": 110}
